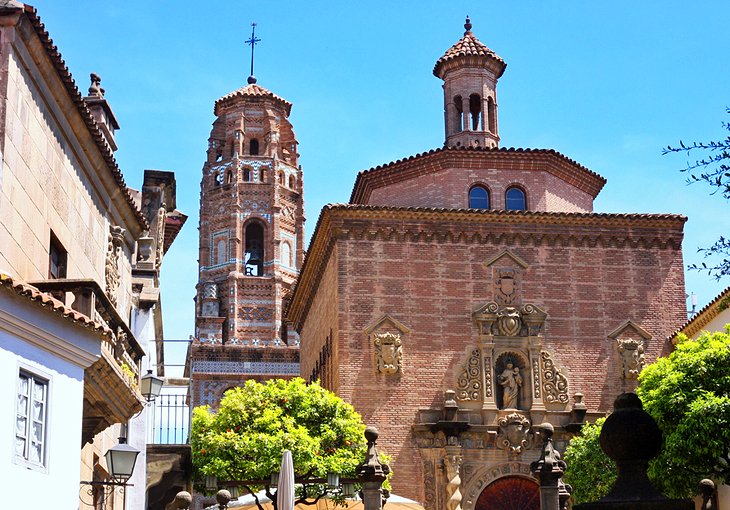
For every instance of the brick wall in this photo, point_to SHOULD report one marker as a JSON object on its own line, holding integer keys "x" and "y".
{"x": 589, "y": 279}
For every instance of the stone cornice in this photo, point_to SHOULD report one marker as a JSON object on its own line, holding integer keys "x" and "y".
{"x": 474, "y": 226}
{"x": 546, "y": 160}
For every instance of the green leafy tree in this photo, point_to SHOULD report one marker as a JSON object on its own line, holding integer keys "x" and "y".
{"x": 688, "y": 394}
{"x": 590, "y": 472}
{"x": 254, "y": 424}
{"x": 713, "y": 168}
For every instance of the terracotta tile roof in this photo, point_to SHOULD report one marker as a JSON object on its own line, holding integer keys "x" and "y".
{"x": 52, "y": 304}
{"x": 67, "y": 79}
{"x": 469, "y": 47}
{"x": 359, "y": 192}
{"x": 251, "y": 90}
{"x": 704, "y": 316}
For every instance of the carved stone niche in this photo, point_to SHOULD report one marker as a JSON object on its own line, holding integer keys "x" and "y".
{"x": 512, "y": 381}
{"x": 386, "y": 337}
{"x": 630, "y": 339}
{"x": 508, "y": 321}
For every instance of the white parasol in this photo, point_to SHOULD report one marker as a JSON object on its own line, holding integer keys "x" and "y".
{"x": 285, "y": 490}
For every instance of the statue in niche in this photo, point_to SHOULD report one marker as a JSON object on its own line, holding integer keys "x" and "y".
{"x": 511, "y": 382}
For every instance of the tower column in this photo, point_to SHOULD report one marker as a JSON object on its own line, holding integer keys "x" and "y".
{"x": 465, "y": 113}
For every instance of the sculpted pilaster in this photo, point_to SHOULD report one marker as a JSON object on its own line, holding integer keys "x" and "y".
{"x": 452, "y": 464}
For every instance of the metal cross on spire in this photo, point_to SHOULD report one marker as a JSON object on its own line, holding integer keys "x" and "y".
{"x": 252, "y": 42}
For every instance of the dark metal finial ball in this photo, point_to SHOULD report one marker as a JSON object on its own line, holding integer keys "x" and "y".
{"x": 251, "y": 79}
{"x": 467, "y": 25}
{"x": 630, "y": 433}
{"x": 371, "y": 434}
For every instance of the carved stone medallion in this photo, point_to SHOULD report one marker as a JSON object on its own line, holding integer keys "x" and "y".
{"x": 514, "y": 433}
{"x": 631, "y": 352}
{"x": 388, "y": 353}
{"x": 508, "y": 321}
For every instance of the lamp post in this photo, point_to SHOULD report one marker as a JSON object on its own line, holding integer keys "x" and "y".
{"x": 120, "y": 461}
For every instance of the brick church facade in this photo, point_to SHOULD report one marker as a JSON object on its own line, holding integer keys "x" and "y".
{"x": 470, "y": 292}
{"x": 251, "y": 245}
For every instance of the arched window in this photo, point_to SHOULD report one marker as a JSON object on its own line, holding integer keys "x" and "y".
{"x": 229, "y": 177}
{"x": 478, "y": 198}
{"x": 246, "y": 175}
{"x": 286, "y": 254}
{"x": 281, "y": 178}
{"x": 475, "y": 109}
{"x": 221, "y": 252}
{"x": 514, "y": 199}
{"x": 254, "y": 255}
{"x": 490, "y": 115}
{"x": 292, "y": 182}
{"x": 253, "y": 147}
{"x": 233, "y": 148}
{"x": 458, "y": 104}
{"x": 262, "y": 174}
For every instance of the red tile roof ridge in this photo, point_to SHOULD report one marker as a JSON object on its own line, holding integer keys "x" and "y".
{"x": 703, "y": 316}
{"x": 252, "y": 90}
{"x": 468, "y": 46}
{"x": 48, "y": 301}
{"x": 484, "y": 150}
{"x": 503, "y": 212}
{"x": 77, "y": 99}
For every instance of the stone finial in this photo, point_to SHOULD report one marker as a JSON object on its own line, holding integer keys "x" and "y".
{"x": 182, "y": 501}
{"x": 549, "y": 469}
{"x": 372, "y": 469}
{"x": 450, "y": 405}
{"x": 549, "y": 461}
{"x": 707, "y": 491}
{"x": 467, "y": 25}
{"x": 223, "y": 497}
{"x": 95, "y": 89}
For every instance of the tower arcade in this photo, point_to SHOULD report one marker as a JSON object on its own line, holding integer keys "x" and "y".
{"x": 470, "y": 72}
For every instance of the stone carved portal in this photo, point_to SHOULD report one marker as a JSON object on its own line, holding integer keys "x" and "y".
{"x": 510, "y": 493}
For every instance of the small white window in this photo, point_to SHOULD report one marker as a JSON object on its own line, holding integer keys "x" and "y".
{"x": 31, "y": 417}
{"x": 222, "y": 252}
{"x": 286, "y": 254}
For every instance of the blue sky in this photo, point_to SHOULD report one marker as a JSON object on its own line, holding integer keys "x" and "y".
{"x": 606, "y": 83}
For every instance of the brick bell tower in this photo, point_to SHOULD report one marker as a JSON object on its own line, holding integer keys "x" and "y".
{"x": 470, "y": 72}
{"x": 251, "y": 245}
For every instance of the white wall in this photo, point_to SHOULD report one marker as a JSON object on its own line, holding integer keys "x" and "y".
{"x": 36, "y": 340}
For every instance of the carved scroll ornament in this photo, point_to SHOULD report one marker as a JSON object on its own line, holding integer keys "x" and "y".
{"x": 554, "y": 383}
{"x": 469, "y": 384}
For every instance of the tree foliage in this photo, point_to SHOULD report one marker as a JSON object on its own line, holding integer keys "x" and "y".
{"x": 713, "y": 169}
{"x": 688, "y": 394}
{"x": 254, "y": 424}
{"x": 590, "y": 472}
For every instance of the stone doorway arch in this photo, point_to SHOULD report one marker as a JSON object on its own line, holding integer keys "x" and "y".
{"x": 510, "y": 493}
